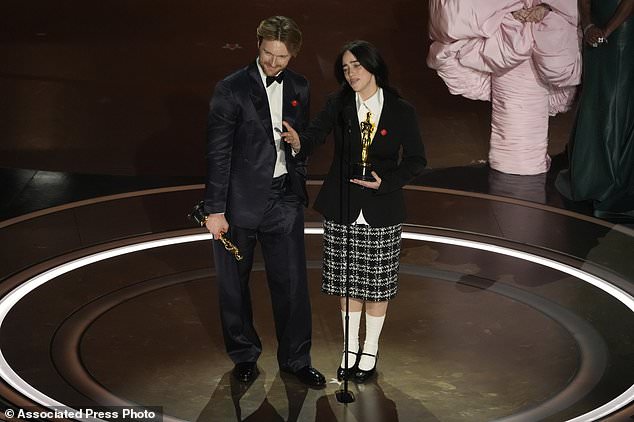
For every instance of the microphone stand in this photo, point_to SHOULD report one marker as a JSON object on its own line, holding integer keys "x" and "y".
{"x": 344, "y": 395}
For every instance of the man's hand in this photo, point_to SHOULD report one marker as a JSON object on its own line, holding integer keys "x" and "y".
{"x": 217, "y": 225}
{"x": 291, "y": 137}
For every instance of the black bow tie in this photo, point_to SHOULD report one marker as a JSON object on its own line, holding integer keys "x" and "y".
{"x": 270, "y": 79}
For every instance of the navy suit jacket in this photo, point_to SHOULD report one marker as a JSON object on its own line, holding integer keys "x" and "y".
{"x": 396, "y": 154}
{"x": 240, "y": 148}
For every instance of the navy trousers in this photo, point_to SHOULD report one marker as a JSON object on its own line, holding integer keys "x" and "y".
{"x": 281, "y": 237}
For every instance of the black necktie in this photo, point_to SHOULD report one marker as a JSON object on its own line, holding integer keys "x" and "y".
{"x": 270, "y": 79}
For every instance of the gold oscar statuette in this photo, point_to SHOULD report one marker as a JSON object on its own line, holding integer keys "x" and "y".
{"x": 363, "y": 169}
{"x": 229, "y": 246}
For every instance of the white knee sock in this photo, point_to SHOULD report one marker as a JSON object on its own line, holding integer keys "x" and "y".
{"x": 353, "y": 337}
{"x": 373, "y": 326}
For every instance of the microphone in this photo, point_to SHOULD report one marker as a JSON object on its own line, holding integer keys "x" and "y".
{"x": 344, "y": 395}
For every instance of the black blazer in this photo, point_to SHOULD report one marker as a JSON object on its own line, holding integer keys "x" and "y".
{"x": 396, "y": 131}
{"x": 240, "y": 148}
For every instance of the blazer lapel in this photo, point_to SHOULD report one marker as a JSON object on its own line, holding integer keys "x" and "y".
{"x": 260, "y": 100}
{"x": 385, "y": 119}
{"x": 351, "y": 118}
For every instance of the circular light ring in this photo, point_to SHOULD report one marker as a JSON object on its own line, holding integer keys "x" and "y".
{"x": 417, "y": 188}
{"x": 17, "y": 294}
{"x": 593, "y": 351}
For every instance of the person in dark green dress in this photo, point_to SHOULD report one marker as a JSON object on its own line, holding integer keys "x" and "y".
{"x": 601, "y": 148}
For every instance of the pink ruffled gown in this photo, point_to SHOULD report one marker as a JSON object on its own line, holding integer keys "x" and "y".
{"x": 527, "y": 70}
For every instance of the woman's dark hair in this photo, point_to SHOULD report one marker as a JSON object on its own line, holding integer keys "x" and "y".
{"x": 371, "y": 60}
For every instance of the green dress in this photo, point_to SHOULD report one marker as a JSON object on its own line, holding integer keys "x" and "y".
{"x": 601, "y": 148}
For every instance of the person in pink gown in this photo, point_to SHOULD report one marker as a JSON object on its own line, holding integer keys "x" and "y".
{"x": 523, "y": 56}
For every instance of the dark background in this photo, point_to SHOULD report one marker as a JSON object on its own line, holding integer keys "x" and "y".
{"x": 122, "y": 87}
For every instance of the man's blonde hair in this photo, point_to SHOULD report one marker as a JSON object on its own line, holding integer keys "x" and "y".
{"x": 283, "y": 29}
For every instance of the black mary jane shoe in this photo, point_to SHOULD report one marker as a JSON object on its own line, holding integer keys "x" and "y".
{"x": 361, "y": 375}
{"x": 343, "y": 373}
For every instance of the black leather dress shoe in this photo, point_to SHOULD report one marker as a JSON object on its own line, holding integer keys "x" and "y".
{"x": 245, "y": 371}
{"x": 362, "y": 375}
{"x": 309, "y": 376}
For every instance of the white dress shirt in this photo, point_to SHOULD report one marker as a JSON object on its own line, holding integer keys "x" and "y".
{"x": 374, "y": 104}
{"x": 274, "y": 94}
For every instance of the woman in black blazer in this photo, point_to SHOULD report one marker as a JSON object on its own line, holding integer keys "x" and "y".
{"x": 362, "y": 227}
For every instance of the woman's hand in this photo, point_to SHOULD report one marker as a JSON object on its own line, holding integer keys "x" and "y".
{"x": 533, "y": 14}
{"x": 367, "y": 184}
{"x": 291, "y": 137}
{"x": 520, "y": 15}
{"x": 594, "y": 36}
{"x": 537, "y": 13}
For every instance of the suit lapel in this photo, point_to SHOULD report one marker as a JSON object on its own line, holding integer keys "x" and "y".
{"x": 289, "y": 111}
{"x": 260, "y": 100}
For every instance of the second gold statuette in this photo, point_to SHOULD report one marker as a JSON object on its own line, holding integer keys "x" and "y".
{"x": 199, "y": 216}
{"x": 233, "y": 249}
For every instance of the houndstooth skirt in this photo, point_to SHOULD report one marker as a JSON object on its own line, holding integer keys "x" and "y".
{"x": 372, "y": 255}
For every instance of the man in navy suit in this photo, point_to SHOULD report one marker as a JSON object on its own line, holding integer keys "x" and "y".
{"x": 256, "y": 191}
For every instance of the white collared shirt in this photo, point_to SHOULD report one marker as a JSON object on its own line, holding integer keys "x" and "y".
{"x": 374, "y": 105}
{"x": 274, "y": 94}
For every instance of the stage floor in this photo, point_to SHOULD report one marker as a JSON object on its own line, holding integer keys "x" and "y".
{"x": 508, "y": 310}
{"x": 514, "y": 305}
